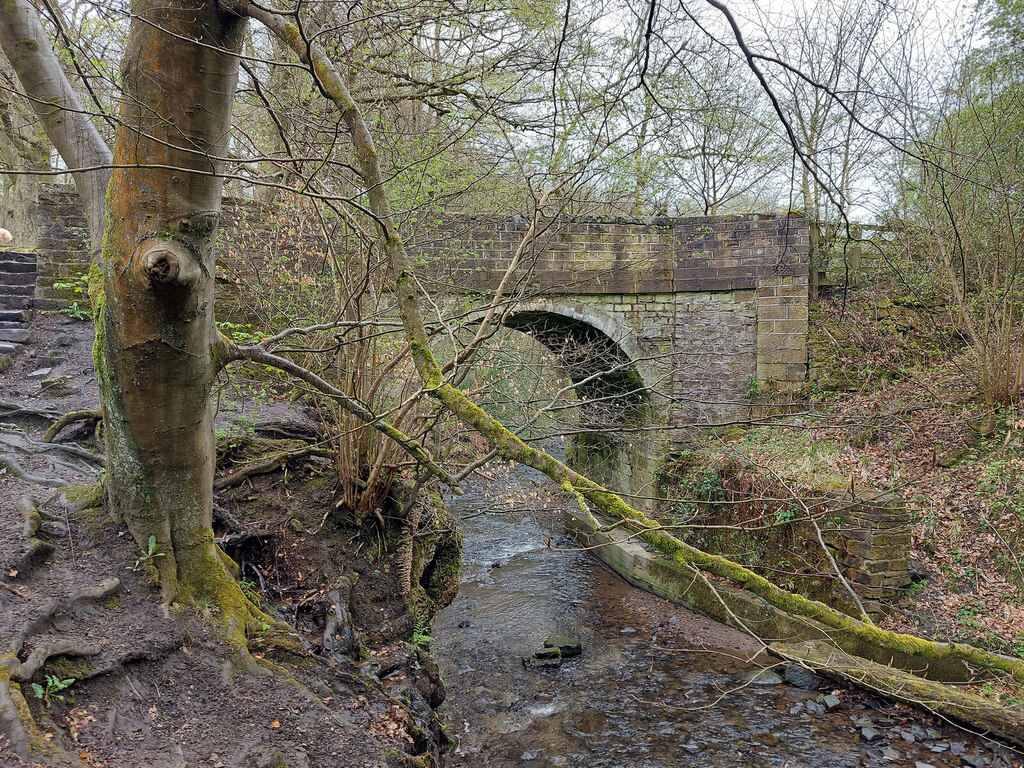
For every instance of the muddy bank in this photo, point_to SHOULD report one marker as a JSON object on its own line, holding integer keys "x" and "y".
{"x": 152, "y": 688}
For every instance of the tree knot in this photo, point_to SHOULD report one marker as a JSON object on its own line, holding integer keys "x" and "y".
{"x": 166, "y": 264}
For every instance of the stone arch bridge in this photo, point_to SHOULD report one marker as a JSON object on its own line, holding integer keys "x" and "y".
{"x": 680, "y": 315}
{"x": 673, "y": 317}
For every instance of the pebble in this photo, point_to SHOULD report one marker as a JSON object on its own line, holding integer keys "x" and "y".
{"x": 869, "y": 734}
{"x": 891, "y": 754}
{"x": 919, "y": 764}
{"x": 831, "y": 702}
{"x": 39, "y": 373}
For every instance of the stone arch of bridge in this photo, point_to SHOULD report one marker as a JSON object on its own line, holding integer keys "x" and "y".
{"x": 613, "y": 382}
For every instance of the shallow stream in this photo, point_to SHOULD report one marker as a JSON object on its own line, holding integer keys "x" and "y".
{"x": 656, "y": 685}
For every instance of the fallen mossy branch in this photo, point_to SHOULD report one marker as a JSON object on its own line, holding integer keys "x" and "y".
{"x": 983, "y": 715}
{"x": 67, "y": 420}
{"x": 268, "y": 463}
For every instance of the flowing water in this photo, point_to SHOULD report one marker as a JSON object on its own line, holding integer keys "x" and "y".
{"x": 656, "y": 685}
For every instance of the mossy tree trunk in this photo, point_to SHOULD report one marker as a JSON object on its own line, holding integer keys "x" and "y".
{"x": 157, "y": 346}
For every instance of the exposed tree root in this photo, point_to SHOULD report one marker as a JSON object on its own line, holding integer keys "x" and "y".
{"x": 36, "y": 550}
{"x": 978, "y": 713}
{"x": 15, "y": 717}
{"x": 70, "y": 418}
{"x": 267, "y": 463}
{"x": 22, "y": 442}
{"x": 23, "y": 412}
{"x": 14, "y": 468}
{"x": 339, "y": 636}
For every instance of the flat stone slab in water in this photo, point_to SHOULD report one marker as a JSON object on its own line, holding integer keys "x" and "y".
{"x": 802, "y": 677}
{"x": 761, "y": 677}
{"x": 567, "y": 647}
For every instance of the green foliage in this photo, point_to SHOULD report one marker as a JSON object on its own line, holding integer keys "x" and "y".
{"x": 78, "y": 288}
{"x": 420, "y": 636}
{"x": 51, "y": 691}
{"x": 77, "y": 312}
{"x": 786, "y": 515}
{"x": 148, "y": 555}
{"x": 244, "y": 333}
{"x": 916, "y": 589}
{"x": 251, "y": 592}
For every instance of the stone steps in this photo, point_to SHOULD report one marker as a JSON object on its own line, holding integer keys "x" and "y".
{"x": 17, "y": 287}
{"x": 17, "y": 266}
{"x": 20, "y": 256}
{"x": 18, "y": 278}
{"x": 15, "y": 302}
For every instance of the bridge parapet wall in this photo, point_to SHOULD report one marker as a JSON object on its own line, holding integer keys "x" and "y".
{"x": 607, "y": 256}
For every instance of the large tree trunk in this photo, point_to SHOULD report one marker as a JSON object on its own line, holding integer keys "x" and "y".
{"x": 157, "y": 347}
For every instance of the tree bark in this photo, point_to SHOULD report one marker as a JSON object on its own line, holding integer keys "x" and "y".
{"x": 24, "y": 149}
{"x": 157, "y": 347}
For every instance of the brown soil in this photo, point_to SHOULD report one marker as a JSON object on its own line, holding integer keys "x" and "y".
{"x": 164, "y": 688}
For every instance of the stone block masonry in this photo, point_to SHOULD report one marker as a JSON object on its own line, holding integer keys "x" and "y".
{"x": 705, "y": 304}
{"x": 62, "y": 256}
{"x": 871, "y": 543}
{"x": 701, "y": 305}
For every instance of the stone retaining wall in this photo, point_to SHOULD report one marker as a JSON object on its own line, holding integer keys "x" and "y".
{"x": 871, "y": 546}
{"x": 62, "y": 246}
